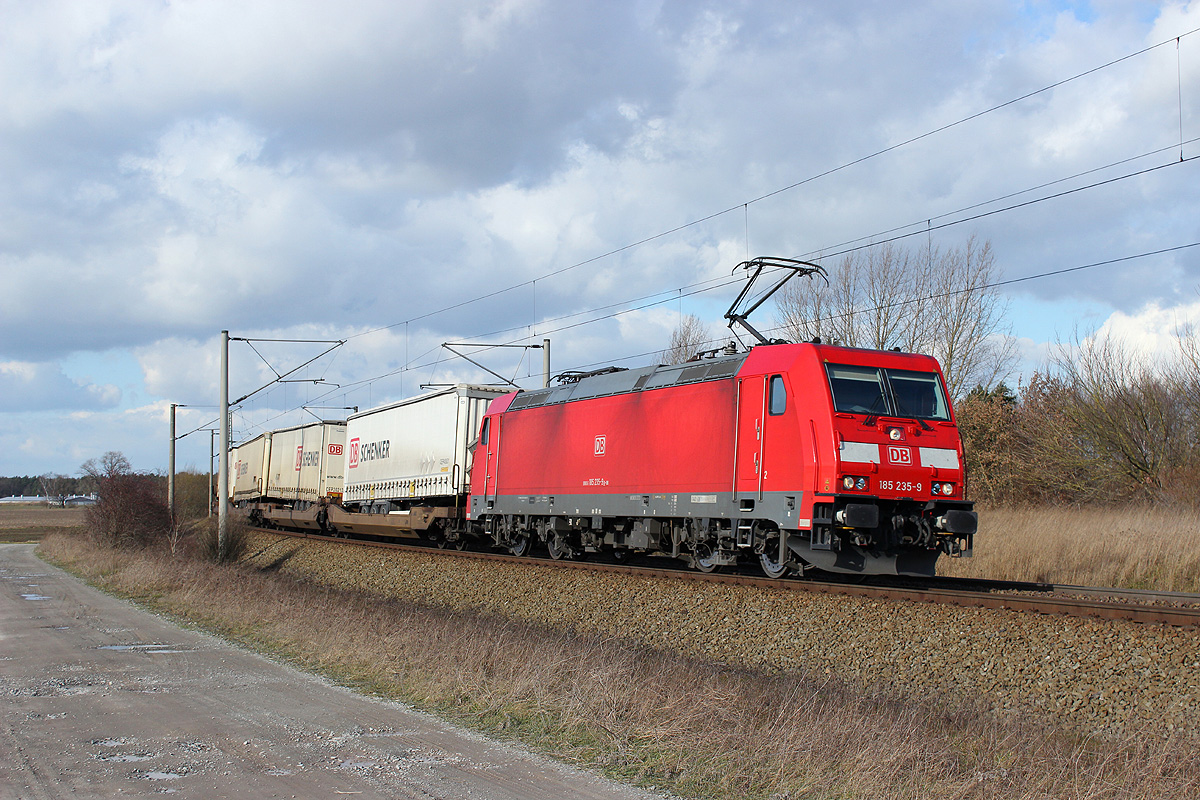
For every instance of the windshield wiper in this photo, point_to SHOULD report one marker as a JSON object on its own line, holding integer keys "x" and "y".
{"x": 917, "y": 420}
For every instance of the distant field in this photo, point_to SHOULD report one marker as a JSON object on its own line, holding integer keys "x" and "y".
{"x": 25, "y": 523}
{"x": 1128, "y": 547}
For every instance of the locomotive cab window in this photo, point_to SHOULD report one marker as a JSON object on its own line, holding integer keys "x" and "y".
{"x": 918, "y": 394}
{"x": 483, "y": 434}
{"x": 887, "y": 392}
{"x": 857, "y": 390}
{"x": 777, "y": 396}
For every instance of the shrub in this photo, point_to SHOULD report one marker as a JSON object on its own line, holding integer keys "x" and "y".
{"x": 131, "y": 512}
{"x": 206, "y": 541}
{"x": 192, "y": 495}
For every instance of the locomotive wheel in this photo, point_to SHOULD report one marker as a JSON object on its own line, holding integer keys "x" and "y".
{"x": 704, "y": 560}
{"x": 520, "y": 546}
{"x": 773, "y": 566}
{"x": 559, "y": 549}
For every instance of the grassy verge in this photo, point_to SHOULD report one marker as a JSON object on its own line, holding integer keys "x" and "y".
{"x": 646, "y": 716}
{"x": 1128, "y": 547}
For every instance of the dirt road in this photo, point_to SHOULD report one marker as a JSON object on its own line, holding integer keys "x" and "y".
{"x": 102, "y": 699}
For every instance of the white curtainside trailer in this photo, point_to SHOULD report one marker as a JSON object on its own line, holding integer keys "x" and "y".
{"x": 307, "y": 463}
{"x": 414, "y": 451}
{"x": 249, "y": 463}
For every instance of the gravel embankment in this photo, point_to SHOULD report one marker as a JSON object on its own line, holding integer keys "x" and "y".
{"x": 1095, "y": 676}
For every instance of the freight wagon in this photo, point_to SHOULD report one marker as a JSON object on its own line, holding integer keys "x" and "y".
{"x": 399, "y": 470}
{"x": 414, "y": 452}
{"x": 250, "y": 462}
{"x": 306, "y": 463}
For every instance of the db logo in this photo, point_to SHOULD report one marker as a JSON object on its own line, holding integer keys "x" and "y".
{"x": 353, "y": 453}
{"x": 600, "y": 444}
{"x": 900, "y": 455}
{"x": 335, "y": 449}
{"x": 299, "y": 457}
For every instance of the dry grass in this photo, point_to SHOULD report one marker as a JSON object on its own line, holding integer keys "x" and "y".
{"x": 21, "y": 522}
{"x": 650, "y": 717}
{"x": 1130, "y": 547}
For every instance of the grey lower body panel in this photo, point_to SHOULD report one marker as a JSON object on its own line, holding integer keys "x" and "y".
{"x": 838, "y": 552}
{"x": 778, "y": 507}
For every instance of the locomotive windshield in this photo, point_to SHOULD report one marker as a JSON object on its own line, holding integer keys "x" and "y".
{"x": 887, "y": 392}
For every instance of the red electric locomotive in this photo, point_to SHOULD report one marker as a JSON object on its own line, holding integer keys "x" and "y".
{"x": 804, "y": 455}
{"x": 798, "y": 455}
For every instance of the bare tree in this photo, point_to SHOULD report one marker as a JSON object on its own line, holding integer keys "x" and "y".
{"x": 932, "y": 301}
{"x": 686, "y": 341}
{"x": 132, "y": 508}
{"x": 1129, "y": 412}
{"x": 965, "y": 325}
{"x": 109, "y": 465}
{"x": 54, "y": 487}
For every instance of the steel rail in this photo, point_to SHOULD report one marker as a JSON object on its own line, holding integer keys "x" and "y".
{"x": 1065, "y": 600}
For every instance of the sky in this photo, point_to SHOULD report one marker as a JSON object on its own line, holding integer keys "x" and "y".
{"x": 395, "y": 176}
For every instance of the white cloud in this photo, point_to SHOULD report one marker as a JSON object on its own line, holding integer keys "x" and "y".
{"x": 1153, "y": 330}
{"x": 28, "y": 386}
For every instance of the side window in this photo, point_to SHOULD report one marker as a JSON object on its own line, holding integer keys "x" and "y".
{"x": 483, "y": 435}
{"x": 777, "y": 396}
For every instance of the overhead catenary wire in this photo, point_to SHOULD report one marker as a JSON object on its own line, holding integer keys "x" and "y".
{"x": 929, "y": 228}
{"x": 870, "y": 240}
{"x": 942, "y": 295}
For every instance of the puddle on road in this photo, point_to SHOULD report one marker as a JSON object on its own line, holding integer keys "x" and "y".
{"x": 142, "y": 648}
{"x": 129, "y": 758}
{"x": 160, "y": 776}
{"x": 35, "y": 597}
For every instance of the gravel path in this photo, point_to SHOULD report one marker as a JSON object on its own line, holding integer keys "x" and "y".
{"x": 1095, "y": 676}
{"x": 102, "y": 699}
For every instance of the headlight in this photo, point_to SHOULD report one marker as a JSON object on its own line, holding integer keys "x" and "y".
{"x": 894, "y": 434}
{"x": 947, "y": 488}
{"x": 855, "y": 482}
{"x": 936, "y": 488}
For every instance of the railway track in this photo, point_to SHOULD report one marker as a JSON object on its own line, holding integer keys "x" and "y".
{"x": 1132, "y": 605}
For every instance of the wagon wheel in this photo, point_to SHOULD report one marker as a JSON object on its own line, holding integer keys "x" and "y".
{"x": 774, "y": 557}
{"x": 444, "y": 543}
{"x": 704, "y": 559}
{"x": 622, "y": 556}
